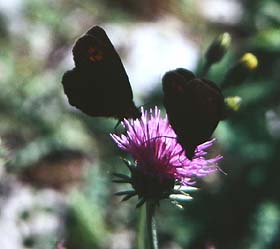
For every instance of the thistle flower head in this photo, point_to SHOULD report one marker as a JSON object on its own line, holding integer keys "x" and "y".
{"x": 160, "y": 161}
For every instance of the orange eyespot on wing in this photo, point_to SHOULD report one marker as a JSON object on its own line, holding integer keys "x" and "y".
{"x": 94, "y": 54}
{"x": 178, "y": 88}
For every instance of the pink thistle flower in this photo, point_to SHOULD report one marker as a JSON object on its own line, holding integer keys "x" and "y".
{"x": 160, "y": 160}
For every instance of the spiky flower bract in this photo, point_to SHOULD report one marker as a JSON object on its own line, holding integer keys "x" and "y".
{"x": 159, "y": 160}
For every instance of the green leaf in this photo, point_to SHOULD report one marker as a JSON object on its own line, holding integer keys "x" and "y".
{"x": 125, "y": 192}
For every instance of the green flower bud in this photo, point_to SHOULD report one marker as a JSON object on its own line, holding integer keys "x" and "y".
{"x": 241, "y": 70}
{"x": 233, "y": 103}
{"x": 218, "y": 48}
{"x": 249, "y": 61}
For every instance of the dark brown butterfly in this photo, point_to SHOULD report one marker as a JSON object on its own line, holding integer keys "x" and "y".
{"x": 99, "y": 85}
{"x": 194, "y": 107}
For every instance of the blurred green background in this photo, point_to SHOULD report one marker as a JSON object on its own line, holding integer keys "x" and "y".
{"x": 57, "y": 163}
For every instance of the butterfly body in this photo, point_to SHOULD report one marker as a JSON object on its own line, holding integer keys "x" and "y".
{"x": 99, "y": 85}
{"x": 194, "y": 107}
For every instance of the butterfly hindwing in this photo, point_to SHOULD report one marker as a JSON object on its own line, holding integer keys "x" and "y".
{"x": 83, "y": 95}
{"x": 194, "y": 107}
{"x": 99, "y": 85}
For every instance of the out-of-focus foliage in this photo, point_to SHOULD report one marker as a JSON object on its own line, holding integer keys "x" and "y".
{"x": 42, "y": 135}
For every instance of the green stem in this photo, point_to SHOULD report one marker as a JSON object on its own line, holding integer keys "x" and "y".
{"x": 205, "y": 69}
{"x": 141, "y": 228}
{"x": 151, "y": 225}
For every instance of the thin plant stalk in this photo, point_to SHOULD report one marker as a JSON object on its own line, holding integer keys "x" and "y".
{"x": 151, "y": 225}
{"x": 205, "y": 69}
{"x": 141, "y": 228}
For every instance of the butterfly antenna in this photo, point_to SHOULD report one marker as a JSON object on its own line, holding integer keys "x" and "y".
{"x": 154, "y": 138}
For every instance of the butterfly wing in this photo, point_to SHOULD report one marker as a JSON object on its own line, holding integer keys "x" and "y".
{"x": 85, "y": 95}
{"x": 99, "y": 85}
{"x": 194, "y": 107}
